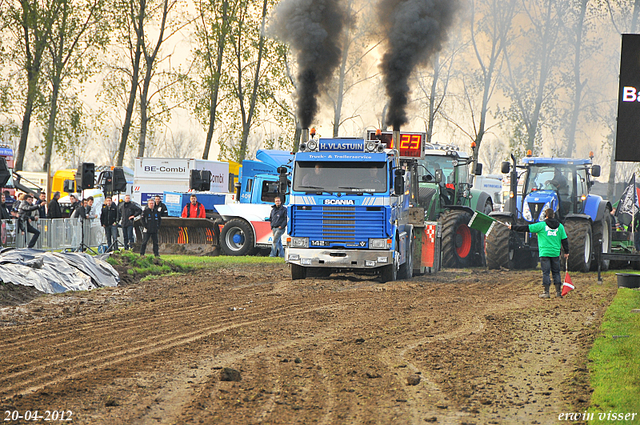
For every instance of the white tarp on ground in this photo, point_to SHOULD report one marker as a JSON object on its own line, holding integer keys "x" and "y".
{"x": 55, "y": 272}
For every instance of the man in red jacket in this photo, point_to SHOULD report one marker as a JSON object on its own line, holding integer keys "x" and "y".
{"x": 194, "y": 209}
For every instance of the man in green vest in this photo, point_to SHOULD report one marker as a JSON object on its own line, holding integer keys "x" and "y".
{"x": 551, "y": 236}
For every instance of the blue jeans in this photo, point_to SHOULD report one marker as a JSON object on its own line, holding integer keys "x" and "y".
{"x": 550, "y": 264}
{"x": 127, "y": 232}
{"x": 276, "y": 247}
{"x": 111, "y": 232}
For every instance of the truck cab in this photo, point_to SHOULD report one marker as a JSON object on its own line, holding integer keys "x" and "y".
{"x": 347, "y": 209}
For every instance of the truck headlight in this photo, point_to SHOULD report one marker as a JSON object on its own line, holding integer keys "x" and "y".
{"x": 379, "y": 243}
{"x": 526, "y": 212}
{"x": 299, "y": 243}
{"x": 312, "y": 145}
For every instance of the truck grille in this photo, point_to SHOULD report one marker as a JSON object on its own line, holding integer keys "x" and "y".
{"x": 536, "y": 209}
{"x": 331, "y": 223}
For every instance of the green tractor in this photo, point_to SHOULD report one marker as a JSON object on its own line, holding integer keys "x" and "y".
{"x": 445, "y": 192}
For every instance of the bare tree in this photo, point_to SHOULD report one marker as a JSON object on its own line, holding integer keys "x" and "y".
{"x": 531, "y": 73}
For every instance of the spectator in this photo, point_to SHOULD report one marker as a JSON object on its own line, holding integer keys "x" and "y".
{"x": 4, "y": 211}
{"x": 194, "y": 209}
{"x": 54, "y": 206}
{"x": 109, "y": 220}
{"x": 80, "y": 211}
{"x": 162, "y": 208}
{"x": 15, "y": 211}
{"x": 278, "y": 220}
{"x": 26, "y": 208}
{"x": 151, "y": 218}
{"x": 75, "y": 204}
{"x": 8, "y": 200}
{"x": 128, "y": 212}
{"x": 551, "y": 236}
{"x": 42, "y": 205}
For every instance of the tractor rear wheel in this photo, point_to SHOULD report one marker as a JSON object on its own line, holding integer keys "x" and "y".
{"x": 580, "y": 245}
{"x": 457, "y": 239}
{"x": 602, "y": 231}
{"x": 498, "y": 254}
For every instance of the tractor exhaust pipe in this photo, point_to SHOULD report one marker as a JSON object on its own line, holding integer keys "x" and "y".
{"x": 305, "y": 136}
{"x": 396, "y": 138}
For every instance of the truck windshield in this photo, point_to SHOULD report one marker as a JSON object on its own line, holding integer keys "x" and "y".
{"x": 340, "y": 177}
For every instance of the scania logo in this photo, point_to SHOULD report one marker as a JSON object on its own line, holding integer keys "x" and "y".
{"x": 339, "y": 202}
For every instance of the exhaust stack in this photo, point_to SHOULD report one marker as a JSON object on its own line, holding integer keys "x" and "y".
{"x": 396, "y": 138}
{"x": 305, "y": 136}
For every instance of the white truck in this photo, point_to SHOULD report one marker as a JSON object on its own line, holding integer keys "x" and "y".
{"x": 154, "y": 176}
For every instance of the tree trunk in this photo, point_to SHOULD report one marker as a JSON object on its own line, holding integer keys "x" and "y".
{"x": 246, "y": 125}
{"x": 134, "y": 79}
{"x": 432, "y": 96}
{"x": 215, "y": 85}
{"x": 577, "y": 95}
{"x": 337, "y": 112}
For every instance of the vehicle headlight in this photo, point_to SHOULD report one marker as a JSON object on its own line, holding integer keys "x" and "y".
{"x": 379, "y": 243}
{"x": 299, "y": 243}
{"x": 526, "y": 212}
{"x": 370, "y": 146}
{"x": 544, "y": 208}
{"x": 312, "y": 145}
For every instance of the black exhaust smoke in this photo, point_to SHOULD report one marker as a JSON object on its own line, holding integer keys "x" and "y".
{"x": 313, "y": 29}
{"x": 414, "y": 31}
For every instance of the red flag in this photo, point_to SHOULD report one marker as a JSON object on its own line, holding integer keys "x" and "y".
{"x": 567, "y": 286}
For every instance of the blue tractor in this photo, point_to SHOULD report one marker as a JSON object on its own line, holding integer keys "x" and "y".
{"x": 561, "y": 184}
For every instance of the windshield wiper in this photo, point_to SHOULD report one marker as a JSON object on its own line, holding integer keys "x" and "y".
{"x": 311, "y": 187}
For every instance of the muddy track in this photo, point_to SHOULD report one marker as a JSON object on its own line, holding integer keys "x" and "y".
{"x": 326, "y": 350}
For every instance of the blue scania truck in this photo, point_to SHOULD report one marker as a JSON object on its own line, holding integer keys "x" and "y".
{"x": 350, "y": 209}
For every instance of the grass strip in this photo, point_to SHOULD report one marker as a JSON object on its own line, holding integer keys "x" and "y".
{"x": 615, "y": 359}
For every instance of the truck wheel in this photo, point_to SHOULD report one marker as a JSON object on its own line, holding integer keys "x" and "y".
{"x": 389, "y": 273}
{"x": 298, "y": 272}
{"x": 457, "y": 239}
{"x": 580, "y": 245}
{"x": 498, "y": 254}
{"x": 602, "y": 231}
{"x": 236, "y": 238}
{"x": 406, "y": 269}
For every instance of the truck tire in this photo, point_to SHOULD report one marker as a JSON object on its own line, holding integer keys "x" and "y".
{"x": 389, "y": 273}
{"x": 497, "y": 246}
{"x": 602, "y": 230}
{"x": 580, "y": 245}
{"x": 406, "y": 269}
{"x": 298, "y": 272}
{"x": 236, "y": 238}
{"x": 457, "y": 239}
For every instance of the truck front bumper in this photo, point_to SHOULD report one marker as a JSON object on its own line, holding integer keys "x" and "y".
{"x": 339, "y": 258}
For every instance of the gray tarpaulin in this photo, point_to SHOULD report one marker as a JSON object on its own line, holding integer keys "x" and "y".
{"x": 54, "y": 272}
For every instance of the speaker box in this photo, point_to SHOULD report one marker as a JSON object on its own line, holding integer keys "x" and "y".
{"x": 86, "y": 176}
{"x": 119, "y": 180}
{"x": 200, "y": 180}
{"x": 5, "y": 173}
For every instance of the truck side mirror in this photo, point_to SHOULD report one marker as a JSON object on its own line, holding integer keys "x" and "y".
{"x": 506, "y": 167}
{"x": 398, "y": 182}
{"x": 69, "y": 186}
{"x": 478, "y": 170}
{"x": 438, "y": 175}
{"x": 595, "y": 171}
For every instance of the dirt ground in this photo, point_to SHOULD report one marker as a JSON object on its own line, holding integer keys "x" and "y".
{"x": 480, "y": 347}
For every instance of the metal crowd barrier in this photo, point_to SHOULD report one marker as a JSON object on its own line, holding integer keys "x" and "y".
{"x": 55, "y": 234}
